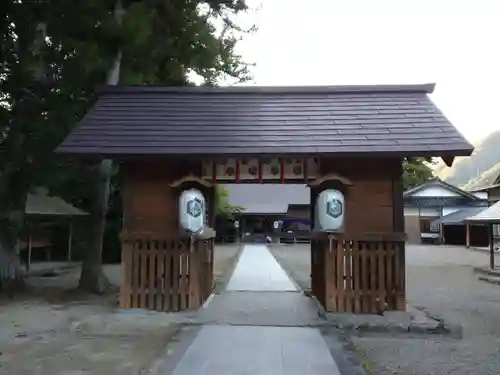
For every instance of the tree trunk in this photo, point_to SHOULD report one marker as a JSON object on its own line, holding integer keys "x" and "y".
{"x": 14, "y": 181}
{"x": 10, "y": 271}
{"x": 92, "y": 278}
{"x": 11, "y": 276}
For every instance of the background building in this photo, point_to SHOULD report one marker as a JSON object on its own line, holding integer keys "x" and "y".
{"x": 435, "y": 212}
{"x": 263, "y": 204}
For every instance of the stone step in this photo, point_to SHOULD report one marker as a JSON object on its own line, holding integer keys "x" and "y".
{"x": 495, "y": 280}
{"x": 487, "y": 271}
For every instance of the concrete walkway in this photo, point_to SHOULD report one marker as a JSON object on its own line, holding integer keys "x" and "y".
{"x": 258, "y": 271}
{"x": 249, "y": 348}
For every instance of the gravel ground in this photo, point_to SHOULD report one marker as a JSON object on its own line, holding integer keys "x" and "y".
{"x": 37, "y": 334}
{"x": 441, "y": 280}
{"x": 296, "y": 260}
{"x": 225, "y": 257}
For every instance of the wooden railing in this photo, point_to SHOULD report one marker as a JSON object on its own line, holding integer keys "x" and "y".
{"x": 364, "y": 275}
{"x": 166, "y": 274}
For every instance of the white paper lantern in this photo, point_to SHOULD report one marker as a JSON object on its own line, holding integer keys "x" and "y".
{"x": 330, "y": 211}
{"x": 192, "y": 211}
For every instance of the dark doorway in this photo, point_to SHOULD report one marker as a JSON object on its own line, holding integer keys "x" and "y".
{"x": 456, "y": 235}
{"x": 479, "y": 236}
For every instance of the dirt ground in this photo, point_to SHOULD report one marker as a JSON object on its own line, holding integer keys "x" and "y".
{"x": 38, "y": 334}
{"x": 441, "y": 280}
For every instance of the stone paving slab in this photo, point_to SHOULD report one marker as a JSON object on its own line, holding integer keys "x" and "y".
{"x": 260, "y": 308}
{"x": 253, "y": 350}
{"x": 257, "y": 270}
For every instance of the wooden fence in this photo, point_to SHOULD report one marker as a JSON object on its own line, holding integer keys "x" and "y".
{"x": 163, "y": 274}
{"x": 360, "y": 276}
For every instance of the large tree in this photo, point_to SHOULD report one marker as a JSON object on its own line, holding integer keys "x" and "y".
{"x": 26, "y": 95}
{"x": 54, "y": 55}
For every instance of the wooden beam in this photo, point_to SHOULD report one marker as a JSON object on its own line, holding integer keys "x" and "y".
{"x": 448, "y": 160}
{"x": 331, "y": 177}
{"x": 191, "y": 178}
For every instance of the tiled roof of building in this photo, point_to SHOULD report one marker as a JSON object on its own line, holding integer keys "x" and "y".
{"x": 42, "y": 204}
{"x": 399, "y": 120}
{"x": 489, "y": 215}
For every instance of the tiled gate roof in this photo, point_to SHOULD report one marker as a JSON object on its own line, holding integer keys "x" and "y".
{"x": 252, "y": 120}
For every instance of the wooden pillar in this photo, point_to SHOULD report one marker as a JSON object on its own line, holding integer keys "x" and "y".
{"x": 492, "y": 246}
{"x": 126, "y": 276}
{"x": 399, "y": 227}
{"x": 467, "y": 234}
{"x": 150, "y": 223}
{"x": 316, "y": 276}
{"x": 325, "y": 249}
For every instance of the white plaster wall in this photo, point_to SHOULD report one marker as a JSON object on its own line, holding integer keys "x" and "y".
{"x": 411, "y": 211}
{"x": 423, "y": 211}
{"x": 430, "y": 211}
{"x": 481, "y": 194}
{"x": 435, "y": 191}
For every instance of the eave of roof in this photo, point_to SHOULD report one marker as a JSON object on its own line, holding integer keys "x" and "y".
{"x": 45, "y": 205}
{"x": 486, "y": 188}
{"x": 489, "y": 215}
{"x": 438, "y": 182}
{"x": 379, "y": 120}
{"x": 458, "y": 217}
{"x": 427, "y": 88}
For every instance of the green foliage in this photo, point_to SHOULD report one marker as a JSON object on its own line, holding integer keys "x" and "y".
{"x": 416, "y": 171}
{"x": 222, "y": 206}
{"x": 55, "y": 55}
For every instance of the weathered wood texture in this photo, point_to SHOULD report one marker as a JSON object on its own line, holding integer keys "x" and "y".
{"x": 369, "y": 202}
{"x": 356, "y": 273}
{"x": 166, "y": 274}
{"x": 150, "y": 204}
{"x": 362, "y": 275}
{"x": 373, "y": 272}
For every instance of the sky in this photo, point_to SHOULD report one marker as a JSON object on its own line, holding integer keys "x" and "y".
{"x": 455, "y": 44}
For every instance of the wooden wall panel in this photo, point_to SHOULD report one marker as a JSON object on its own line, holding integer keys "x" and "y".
{"x": 494, "y": 194}
{"x": 369, "y": 203}
{"x": 363, "y": 276}
{"x": 166, "y": 274}
{"x": 150, "y": 204}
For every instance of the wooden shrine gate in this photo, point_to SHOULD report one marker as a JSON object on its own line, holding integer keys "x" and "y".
{"x": 166, "y": 274}
{"x": 352, "y": 139}
{"x": 364, "y": 275}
